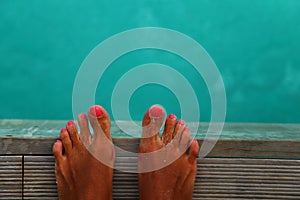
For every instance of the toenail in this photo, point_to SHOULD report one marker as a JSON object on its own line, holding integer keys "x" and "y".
{"x": 82, "y": 115}
{"x": 96, "y": 111}
{"x": 70, "y": 123}
{"x": 58, "y": 141}
{"x": 63, "y": 130}
{"x": 181, "y": 122}
{"x": 155, "y": 111}
{"x": 194, "y": 151}
{"x": 172, "y": 116}
{"x": 186, "y": 129}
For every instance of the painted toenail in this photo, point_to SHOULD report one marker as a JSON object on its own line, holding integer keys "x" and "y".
{"x": 82, "y": 115}
{"x": 172, "y": 116}
{"x": 194, "y": 151}
{"x": 58, "y": 141}
{"x": 96, "y": 111}
{"x": 70, "y": 123}
{"x": 155, "y": 111}
{"x": 181, "y": 122}
{"x": 186, "y": 129}
{"x": 63, "y": 130}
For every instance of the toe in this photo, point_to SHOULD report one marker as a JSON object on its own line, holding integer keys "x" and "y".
{"x": 73, "y": 132}
{"x": 57, "y": 151}
{"x": 100, "y": 121}
{"x": 85, "y": 134}
{"x": 66, "y": 141}
{"x": 152, "y": 121}
{"x": 193, "y": 151}
{"x": 179, "y": 128}
{"x": 169, "y": 128}
{"x": 185, "y": 137}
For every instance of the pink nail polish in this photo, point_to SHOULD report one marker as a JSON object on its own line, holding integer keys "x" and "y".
{"x": 186, "y": 129}
{"x": 194, "y": 147}
{"x": 63, "y": 130}
{"x": 70, "y": 123}
{"x": 156, "y": 111}
{"x": 181, "y": 122}
{"x": 96, "y": 111}
{"x": 82, "y": 115}
{"x": 58, "y": 141}
{"x": 172, "y": 116}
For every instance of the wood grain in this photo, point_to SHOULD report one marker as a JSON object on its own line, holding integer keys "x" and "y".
{"x": 287, "y": 149}
{"x": 217, "y": 178}
{"x": 11, "y": 177}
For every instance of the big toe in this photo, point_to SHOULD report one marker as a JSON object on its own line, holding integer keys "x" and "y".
{"x": 152, "y": 122}
{"x": 100, "y": 121}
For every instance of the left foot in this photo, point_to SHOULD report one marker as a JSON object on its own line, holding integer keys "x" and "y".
{"x": 79, "y": 173}
{"x": 167, "y": 169}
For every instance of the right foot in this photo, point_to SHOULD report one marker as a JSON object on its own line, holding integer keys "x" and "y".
{"x": 79, "y": 173}
{"x": 166, "y": 182}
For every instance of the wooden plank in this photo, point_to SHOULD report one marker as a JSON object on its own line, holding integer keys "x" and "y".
{"x": 223, "y": 148}
{"x": 11, "y": 177}
{"x": 217, "y": 178}
{"x": 289, "y": 149}
{"x": 39, "y": 178}
{"x": 125, "y": 185}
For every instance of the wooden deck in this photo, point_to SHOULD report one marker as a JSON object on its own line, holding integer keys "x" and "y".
{"x": 249, "y": 161}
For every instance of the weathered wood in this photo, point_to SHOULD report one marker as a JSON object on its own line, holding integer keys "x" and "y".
{"x": 288, "y": 149}
{"x": 217, "y": 178}
{"x": 39, "y": 178}
{"x": 11, "y": 177}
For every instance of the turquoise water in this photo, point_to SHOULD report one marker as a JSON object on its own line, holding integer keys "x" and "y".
{"x": 254, "y": 43}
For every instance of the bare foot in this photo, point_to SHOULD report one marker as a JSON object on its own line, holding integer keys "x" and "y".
{"x": 79, "y": 173}
{"x": 167, "y": 182}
